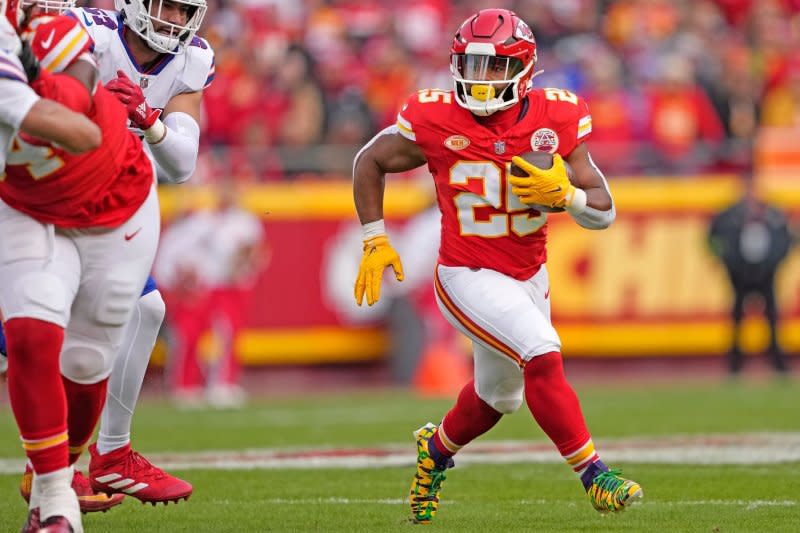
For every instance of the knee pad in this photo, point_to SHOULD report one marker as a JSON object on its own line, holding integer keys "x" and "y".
{"x": 152, "y": 307}
{"x": 504, "y": 396}
{"x": 86, "y": 362}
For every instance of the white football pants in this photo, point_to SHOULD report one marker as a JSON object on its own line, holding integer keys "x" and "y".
{"x": 508, "y": 321}
{"x": 86, "y": 280}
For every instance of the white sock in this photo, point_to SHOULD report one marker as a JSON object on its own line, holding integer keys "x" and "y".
{"x": 56, "y": 497}
{"x": 125, "y": 382}
{"x": 35, "y": 490}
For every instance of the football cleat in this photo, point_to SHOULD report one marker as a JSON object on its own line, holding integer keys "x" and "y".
{"x": 611, "y": 493}
{"x": 32, "y": 524}
{"x": 56, "y": 524}
{"x": 124, "y": 471}
{"x": 427, "y": 483}
{"x": 89, "y": 500}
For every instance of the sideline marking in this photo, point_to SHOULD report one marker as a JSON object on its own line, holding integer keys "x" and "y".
{"x": 748, "y": 504}
{"x": 723, "y": 449}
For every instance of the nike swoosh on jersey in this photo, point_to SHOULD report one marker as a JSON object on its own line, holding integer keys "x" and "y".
{"x": 129, "y": 236}
{"x": 86, "y": 21}
{"x": 47, "y": 42}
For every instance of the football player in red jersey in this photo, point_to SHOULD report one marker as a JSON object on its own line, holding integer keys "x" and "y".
{"x": 151, "y": 58}
{"x": 79, "y": 235}
{"x": 491, "y": 281}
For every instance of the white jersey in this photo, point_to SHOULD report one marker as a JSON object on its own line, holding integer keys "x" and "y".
{"x": 16, "y": 98}
{"x": 188, "y": 72}
{"x": 234, "y": 229}
{"x": 187, "y": 245}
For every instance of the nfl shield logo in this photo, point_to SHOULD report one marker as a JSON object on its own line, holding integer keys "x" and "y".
{"x": 143, "y": 82}
{"x": 500, "y": 147}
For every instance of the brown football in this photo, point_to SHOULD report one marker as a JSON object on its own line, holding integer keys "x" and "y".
{"x": 543, "y": 160}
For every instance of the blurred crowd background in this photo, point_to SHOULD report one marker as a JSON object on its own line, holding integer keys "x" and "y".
{"x": 674, "y": 86}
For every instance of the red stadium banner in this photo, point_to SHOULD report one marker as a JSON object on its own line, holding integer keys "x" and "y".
{"x": 648, "y": 286}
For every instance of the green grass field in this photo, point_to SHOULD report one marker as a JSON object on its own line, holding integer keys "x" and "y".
{"x": 478, "y": 496}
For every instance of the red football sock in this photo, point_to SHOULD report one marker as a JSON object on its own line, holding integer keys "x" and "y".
{"x": 36, "y": 392}
{"x": 469, "y": 418}
{"x": 85, "y": 405}
{"x": 554, "y": 404}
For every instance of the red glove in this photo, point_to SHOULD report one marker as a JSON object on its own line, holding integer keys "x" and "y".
{"x": 140, "y": 113}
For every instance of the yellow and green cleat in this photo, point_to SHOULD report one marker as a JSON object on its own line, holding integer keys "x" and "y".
{"x": 611, "y": 493}
{"x": 427, "y": 483}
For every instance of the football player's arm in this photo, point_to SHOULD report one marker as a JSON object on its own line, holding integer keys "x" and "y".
{"x": 176, "y": 140}
{"x": 173, "y": 141}
{"x": 22, "y": 109}
{"x": 387, "y": 152}
{"x": 598, "y": 211}
{"x": 53, "y": 122}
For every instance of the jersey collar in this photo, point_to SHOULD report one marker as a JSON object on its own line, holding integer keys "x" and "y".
{"x": 155, "y": 68}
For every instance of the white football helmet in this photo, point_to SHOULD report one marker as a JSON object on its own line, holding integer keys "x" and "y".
{"x": 44, "y": 12}
{"x": 144, "y": 17}
{"x": 49, "y": 7}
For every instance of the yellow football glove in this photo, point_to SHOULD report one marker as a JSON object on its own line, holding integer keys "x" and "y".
{"x": 378, "y": 254}
{"x": 550, "y": 187}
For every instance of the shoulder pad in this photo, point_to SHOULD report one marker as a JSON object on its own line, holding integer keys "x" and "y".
{"x": 58, "y": 42}
{"x": 561, "y": 104}
{"x": 100, "y": 24}
{"x": 417, "y": 109}
{"x": 568, "y": 110}
{"x": 200, "y": 64}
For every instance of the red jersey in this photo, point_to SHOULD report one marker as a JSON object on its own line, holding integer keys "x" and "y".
{"x": 103, "y": 187}
{"x": 484, "y": 225}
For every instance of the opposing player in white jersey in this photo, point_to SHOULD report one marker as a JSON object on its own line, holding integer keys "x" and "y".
{"x": 149, "y": 56}
{"x": 157, "y": 66}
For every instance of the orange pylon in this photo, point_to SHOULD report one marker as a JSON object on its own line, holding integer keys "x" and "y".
{"x": 442, "y": 370}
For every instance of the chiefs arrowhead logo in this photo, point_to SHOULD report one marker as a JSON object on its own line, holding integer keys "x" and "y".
{"x": 456, "y": 142}
{"x": 524, "y": 32}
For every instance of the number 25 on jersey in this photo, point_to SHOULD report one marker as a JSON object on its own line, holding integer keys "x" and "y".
{"x": 517, "y": 218}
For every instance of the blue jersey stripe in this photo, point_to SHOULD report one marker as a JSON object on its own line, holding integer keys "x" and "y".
{"x": 12, "y": 70}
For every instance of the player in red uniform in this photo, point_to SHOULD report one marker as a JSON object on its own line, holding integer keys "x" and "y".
{"x": 491, "y": 281}
{"x": 79, "y": 235}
